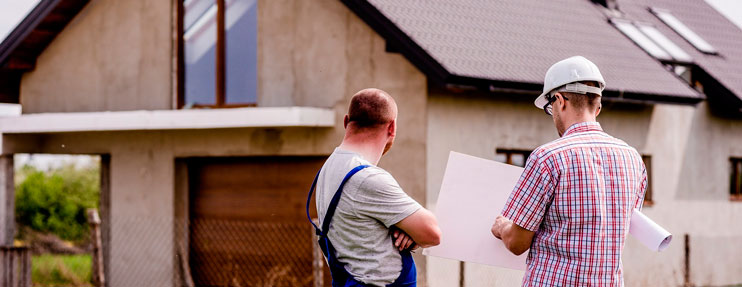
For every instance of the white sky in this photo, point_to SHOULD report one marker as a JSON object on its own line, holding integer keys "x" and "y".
{"x": 732, "y": 9}
{"x": 12, "y": 12}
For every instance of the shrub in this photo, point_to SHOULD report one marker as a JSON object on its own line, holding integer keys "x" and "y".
{"x": 56, "y": 201}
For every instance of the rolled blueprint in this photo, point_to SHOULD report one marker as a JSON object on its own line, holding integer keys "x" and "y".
{"x": 648, "y": 232}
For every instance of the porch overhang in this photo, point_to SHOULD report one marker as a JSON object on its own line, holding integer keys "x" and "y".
{"x": 158, "y": 120}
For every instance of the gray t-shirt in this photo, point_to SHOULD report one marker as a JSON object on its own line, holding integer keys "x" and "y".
{"x": 372, "y": 201}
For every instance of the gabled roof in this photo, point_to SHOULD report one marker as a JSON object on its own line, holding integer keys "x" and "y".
{"x": 724, "y": 67}
{"x": 20, "y": 48}
{"x": 511, "y": 44}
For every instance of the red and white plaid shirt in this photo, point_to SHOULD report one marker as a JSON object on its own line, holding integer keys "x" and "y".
{"x": 577, "y": 193}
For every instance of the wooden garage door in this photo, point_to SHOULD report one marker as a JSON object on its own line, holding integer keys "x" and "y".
{"x": 247, "y": 221}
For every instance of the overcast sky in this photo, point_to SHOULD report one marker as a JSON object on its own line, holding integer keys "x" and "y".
{"x": 12, "y": 12}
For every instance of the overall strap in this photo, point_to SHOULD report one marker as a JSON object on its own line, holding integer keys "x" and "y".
{"x": 333, "y": 203}
{"x": 336, "y": 198}
{"x": 309, "y": 199}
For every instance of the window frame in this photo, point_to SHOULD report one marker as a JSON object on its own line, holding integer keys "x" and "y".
{"x": 654, "y": 34}
{"x": 509, "y": 155}
{"x": 685, "y": 32}
{"x": 652, "y": 41}
{"x": 648, "y": 193}
{"x": 735, "y": 179}
{"x": 221, "y": 66}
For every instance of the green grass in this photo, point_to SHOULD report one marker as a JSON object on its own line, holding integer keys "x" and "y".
{"x": 61, "y": 270}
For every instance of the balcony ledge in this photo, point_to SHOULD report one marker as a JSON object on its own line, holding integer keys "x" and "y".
{"x": 253, "y": 117}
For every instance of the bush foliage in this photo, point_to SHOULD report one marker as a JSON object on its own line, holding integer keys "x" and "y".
{"x": 56, "y": 201}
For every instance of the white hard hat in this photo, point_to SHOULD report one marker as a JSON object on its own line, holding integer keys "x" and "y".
{"x": 570, "y": 70}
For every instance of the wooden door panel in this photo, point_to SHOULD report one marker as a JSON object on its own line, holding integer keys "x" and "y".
{"x": 247, "y": 221}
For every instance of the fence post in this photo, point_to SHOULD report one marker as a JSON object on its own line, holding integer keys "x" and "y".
{"x": 317, "y": 259}
{"x": 26, "y": 267}
{"x": 94, "y": 221}
{"x": 15, "y": 266}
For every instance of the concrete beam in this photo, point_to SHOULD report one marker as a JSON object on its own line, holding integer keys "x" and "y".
{"x": 267, "y": 117}
{"x": 7, "y": 200}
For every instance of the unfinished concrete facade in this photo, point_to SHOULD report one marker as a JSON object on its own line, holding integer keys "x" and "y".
{"x": 117, "y": 56}
{"x": 689, "y": 148}
{"x": 120, "y": 56}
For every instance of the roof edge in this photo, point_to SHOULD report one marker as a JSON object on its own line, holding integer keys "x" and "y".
{"x": 398, "y": 39}
{"x": 609, "y": 94}
{"x": 24, "y": 28}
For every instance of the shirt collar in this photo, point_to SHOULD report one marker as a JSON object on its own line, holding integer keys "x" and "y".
{"x": 583, "y": 127}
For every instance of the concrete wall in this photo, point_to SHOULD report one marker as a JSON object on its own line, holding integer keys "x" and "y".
{"x": 116, "y": 55}
{"x": 690, "y": 151}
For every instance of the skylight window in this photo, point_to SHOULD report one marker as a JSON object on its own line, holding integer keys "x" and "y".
{"x": 668, "y": 45}
{"x": 680, "y": 28}
{"x": 641, "y": 39}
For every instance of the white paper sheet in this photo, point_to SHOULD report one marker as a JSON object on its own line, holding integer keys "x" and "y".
{"x": 473, "y": 193}
{"x": 648, "y": 232}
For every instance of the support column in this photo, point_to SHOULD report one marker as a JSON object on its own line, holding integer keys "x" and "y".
{"x": 7, "y": 200}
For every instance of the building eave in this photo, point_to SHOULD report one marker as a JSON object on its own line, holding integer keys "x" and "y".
{"x": 159, "y": 120}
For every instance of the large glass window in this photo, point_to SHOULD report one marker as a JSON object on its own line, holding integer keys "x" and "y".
{"x": 219, "y": 62}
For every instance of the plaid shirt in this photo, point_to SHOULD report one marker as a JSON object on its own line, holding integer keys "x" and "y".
{"x": 577, "y": 193}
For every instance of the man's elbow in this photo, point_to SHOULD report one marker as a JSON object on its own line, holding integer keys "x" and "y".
{"x": 432, "y": 237}
{"x": 517, "y": 248}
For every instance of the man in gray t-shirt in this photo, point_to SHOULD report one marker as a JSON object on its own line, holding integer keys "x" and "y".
{"x": 372, "y": 201}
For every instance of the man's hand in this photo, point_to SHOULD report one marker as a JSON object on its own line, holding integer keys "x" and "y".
{"x": 517, "y": 239}
{"x": 402, "y": 241}
{"x": 499, "y": 224}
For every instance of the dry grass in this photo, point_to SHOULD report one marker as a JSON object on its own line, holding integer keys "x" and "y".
{"x": 61, "y": 270}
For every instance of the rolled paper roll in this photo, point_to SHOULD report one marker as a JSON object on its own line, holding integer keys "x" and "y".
{"x": 649, "y": 232}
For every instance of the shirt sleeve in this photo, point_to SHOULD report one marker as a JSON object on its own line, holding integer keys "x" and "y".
{"x": 531, "y": 196}
{"x": 642, "y": 190}
{"x": 380, "y": 197}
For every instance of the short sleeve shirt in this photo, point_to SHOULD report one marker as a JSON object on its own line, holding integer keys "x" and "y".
{"x": 372, "y": 201}
{"x": 577, "y": 194}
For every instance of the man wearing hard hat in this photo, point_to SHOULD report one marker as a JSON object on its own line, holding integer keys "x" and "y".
{"x": 572, "y": 204}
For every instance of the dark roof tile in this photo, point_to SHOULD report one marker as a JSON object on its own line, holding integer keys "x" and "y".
{"x": 708, "y": 23}
{"x": 517, "y": 41}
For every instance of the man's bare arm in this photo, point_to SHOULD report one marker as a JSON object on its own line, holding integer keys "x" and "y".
{"x": 517, "y": 239}
{"x": 422, "y": 227}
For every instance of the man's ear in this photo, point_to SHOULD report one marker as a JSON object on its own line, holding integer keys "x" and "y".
{"x": 392, "y": 129}
{"x": 561, "y": 100}
{"x": 597, "y": 111}
{"x": 346, "y": 120}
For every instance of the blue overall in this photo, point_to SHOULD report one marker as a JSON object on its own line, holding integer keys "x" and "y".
{"x": 341, "y": 277}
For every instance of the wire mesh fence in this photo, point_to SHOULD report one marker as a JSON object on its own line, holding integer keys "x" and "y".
{"x": 252, "y": 253}
{"x": 143, "y": 251}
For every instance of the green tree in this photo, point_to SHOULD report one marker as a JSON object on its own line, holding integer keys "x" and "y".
{"x": 56, "y": 201}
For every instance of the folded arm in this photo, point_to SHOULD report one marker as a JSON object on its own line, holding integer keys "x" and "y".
{"x": 422, "y": 227}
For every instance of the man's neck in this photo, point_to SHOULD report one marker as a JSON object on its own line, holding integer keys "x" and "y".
{"x": 580, "y": 119}
{"x": 576, "y": 119}
{"x": 370, "y": 148}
